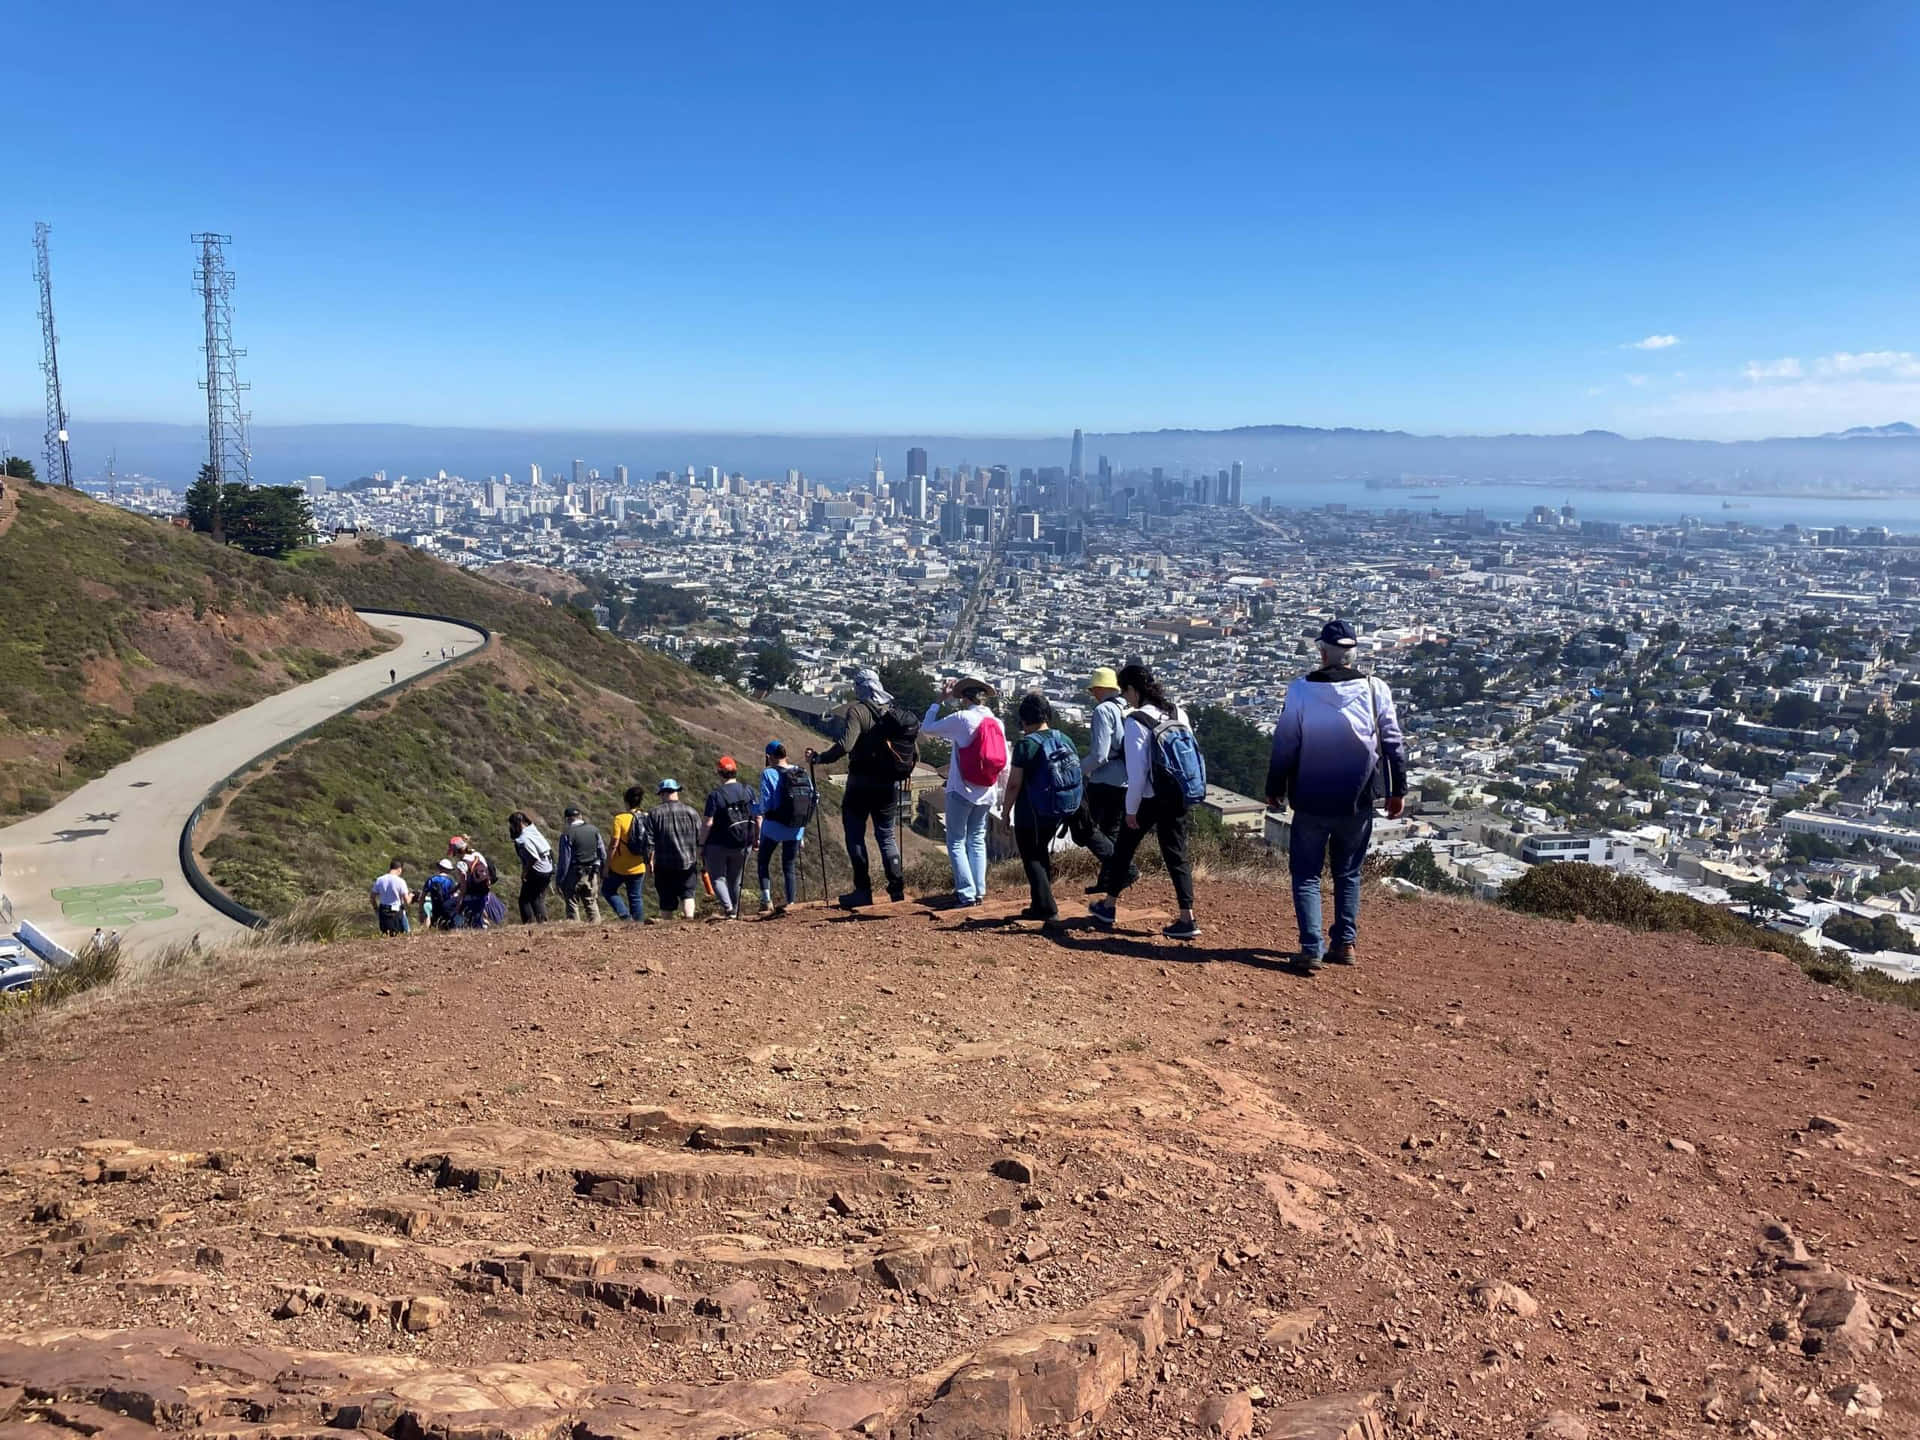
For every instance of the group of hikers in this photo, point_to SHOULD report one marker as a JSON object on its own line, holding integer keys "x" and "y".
{"x": 1338, "y": 755}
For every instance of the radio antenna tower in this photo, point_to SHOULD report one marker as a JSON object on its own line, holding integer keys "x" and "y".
{"x": 59, "y": 462}
{"x": 227, "y": 450}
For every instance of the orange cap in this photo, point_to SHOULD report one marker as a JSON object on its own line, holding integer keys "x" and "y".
{"x": 729, "y": 764}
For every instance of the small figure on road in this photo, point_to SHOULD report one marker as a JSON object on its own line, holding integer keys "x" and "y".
{"x": 624, "y": 885}
{"x": 391, "y": 897}
{"x": 1045, "y": 790}
{"x": 1165, "y": 778}
{"x": 536, "y": 866}
{"x": 583, "y": 856}
{"x": 1337, "y": 752}
{"x": 675, "y": 831}
{"x": 393, "y": 677}
{"x": 785, "y": 804}
{"x": 880, "y": 741}
{"x": 726, "y": 834}
{"x": 973, "y": 779}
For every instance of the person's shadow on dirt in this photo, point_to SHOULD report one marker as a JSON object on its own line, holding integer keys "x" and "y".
{"x": 1088, "y": 936}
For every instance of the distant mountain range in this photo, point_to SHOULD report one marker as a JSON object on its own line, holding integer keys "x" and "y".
{"x": 172, "y": 453}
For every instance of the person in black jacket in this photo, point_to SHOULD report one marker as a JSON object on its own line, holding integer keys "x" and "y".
{"x": 873, "y": 781}
{"x": 583, "y": 855}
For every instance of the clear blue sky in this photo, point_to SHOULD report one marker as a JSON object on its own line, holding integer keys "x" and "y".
{"x": 992, "y": 218}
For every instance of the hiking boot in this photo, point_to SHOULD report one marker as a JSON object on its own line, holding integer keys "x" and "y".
{"x": 1183, "y": 930}
{"x": 856, "y": 900}
{"x": 1030, "y": 913}
{"x": 1103, "y": 913}
{"x": 896, "y": 893}
{"x": 1342, "y": 955}
{"x": 1305, "y": 964}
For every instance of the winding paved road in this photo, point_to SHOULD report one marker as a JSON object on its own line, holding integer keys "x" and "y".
{"x": 109, "y": 854}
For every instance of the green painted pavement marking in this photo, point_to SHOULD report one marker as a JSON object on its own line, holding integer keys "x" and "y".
{"x": 124, "y": 902}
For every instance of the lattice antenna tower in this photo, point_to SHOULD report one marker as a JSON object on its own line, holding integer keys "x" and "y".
{"x": 227, "y": 450}
{"x": 59, "y": 462}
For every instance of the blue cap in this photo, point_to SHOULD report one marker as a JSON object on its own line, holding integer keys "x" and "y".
{"x": 666, "y": 785}
{"x": 773, "y": 745}
{"x": 1338, "y": 632}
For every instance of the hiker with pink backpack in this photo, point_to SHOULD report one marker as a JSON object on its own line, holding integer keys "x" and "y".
{"x": 974, "y": 776}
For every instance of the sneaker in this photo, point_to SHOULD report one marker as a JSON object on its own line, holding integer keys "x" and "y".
{"x": 856, "y": 900}
{"x": 1305, "y": 964}
{"x": 779, "y": 912}
{"x": 1102, "y": 912}
{"x": 896, "y": 893}
{"x": 1030, "y": 913}
{"x": 1182, "y": 930}
{"x": 1342, "y": 955}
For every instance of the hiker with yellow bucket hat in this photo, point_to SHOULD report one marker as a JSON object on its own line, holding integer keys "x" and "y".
{"x": 1097, "y": 826}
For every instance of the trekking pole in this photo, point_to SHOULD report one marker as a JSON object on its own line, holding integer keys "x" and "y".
{"x": 814, "y": 779}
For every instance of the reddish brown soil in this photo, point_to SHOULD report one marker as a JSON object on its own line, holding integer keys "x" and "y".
{"x": 1505, "y": 1168}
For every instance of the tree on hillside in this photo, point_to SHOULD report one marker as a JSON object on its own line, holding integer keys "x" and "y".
{"x": 203, "y": 504}
{"x": 1761, "y": 900}
{"x": 1796, "y": 712}
{"x": 269, "y": 520}
{"x": 774, "y": 667}
{"x": 1236, "y": 751}
{"x": 1883, "y": 932}
{"x": 722, "y": 662}
{"x": 1420, "y": 867}
{"x": 911, "y": 686}
{"x": 19, "y": 468}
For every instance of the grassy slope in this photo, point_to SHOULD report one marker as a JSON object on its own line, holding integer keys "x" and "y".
{"x": 118, "y": 632}
{"x": 558, "y": 713}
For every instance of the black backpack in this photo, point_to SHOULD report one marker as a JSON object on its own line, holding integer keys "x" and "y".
{"x": 889, "y": 748}
{"x": 797, "y": 800}
{"x": 733, "y": 824}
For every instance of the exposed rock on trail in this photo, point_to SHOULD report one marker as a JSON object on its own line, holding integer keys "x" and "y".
{"x": 550, "y": 1186}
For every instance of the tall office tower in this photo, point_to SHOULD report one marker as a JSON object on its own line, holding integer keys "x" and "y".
{"x": 1233, "y": 484}
{"x": 879, "y": 473}
{"x": 620, "y": 476}
{"x": 917, "y": 497}
{"x": 496, "y": 495}
{"x": 1200, "y": 488}
{"x": 533, "y": 477}
{"x": 1220, "y": 488}
{"x": 916, "y": 462}
{"x": 794, "y": 479}
{"x": 316, "y": 485}
{"x": 579, "y": 471}
{"x": 1106, "y": 478}
{"x": 953, "y": 522}
{"x": 617, "y": 507}
{"x": 998, "y": 480}
{"x": 1074, "y": 468}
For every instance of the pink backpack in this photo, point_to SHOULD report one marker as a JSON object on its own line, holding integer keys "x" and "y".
{"x": 982, "y": 761}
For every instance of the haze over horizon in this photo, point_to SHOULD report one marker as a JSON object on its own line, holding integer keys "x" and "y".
{"x": 1008, "y": 223}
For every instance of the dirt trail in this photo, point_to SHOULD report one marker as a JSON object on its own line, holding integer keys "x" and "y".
{"x": 917, "y": 1175}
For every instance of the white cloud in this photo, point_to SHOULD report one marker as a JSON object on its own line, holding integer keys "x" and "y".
{"x": 1785, "y": 368}
{"x": 1901, "y": 364}
{"x": 1637, "y": 381}
{"x": 1801, "y": 407}
{"x": 1654, "y": 342}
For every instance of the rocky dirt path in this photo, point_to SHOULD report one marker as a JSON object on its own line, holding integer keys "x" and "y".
{"x": 912, "y": 1175}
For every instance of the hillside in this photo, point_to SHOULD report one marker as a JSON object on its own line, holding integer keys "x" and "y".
{"x": 118, "y": 632}
{"x": 927, "y": 1177}
{"x": 556, "y": 713}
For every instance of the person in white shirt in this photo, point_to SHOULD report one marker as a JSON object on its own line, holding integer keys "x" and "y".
{"x": 1165, "y": 816}
{"x": 974, "y": 774}
{"x": 390, "y": 900}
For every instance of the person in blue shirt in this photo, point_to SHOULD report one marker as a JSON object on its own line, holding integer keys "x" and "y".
{"x": 775, "y": 834}
{"x": 1337, "y": 752}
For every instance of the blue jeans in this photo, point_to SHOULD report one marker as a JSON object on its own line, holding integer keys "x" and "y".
{"x": 967, "y": 846}
{"x": 626, "y": 894}
{"x": 1316, "y": 840}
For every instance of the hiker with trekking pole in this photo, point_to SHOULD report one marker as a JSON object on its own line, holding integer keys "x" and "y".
{"x": 881, "y": 743}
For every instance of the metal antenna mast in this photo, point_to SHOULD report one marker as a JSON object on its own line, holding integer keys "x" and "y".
{"x": 227, "y": 450}
{"x": 59, "y": 463}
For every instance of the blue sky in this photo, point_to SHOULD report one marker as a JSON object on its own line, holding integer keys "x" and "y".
{"x": 994, "y": 218}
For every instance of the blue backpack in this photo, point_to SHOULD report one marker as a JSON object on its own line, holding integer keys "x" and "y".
{"x": 1055, "y": 787}
{"x": 1179, "y": 770}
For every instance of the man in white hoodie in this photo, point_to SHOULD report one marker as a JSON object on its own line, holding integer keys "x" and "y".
{"x": 1337, "y": 751}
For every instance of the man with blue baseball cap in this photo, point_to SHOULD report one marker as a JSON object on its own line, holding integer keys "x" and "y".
{"x": 1337, "y": 753}
{"x": 675, "y": 828}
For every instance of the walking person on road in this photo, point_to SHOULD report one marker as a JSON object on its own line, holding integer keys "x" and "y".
{"x": 1045, "y": 790}
{"x": 881, "y": 743}
{"x": 583, "y": 855}
{"x": 973, "y": 779}
{"x": 1337, "y": 753}
{"x": 624, "y": 886}
{"x": 675, "y": 830}
{"x": 536, "y": 866}
{"x": 726, "y": 834}
{"x": 1165, "y": 777}
{"x": 784, "y": 805}
{"x": 391, "y": 897}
